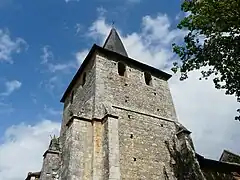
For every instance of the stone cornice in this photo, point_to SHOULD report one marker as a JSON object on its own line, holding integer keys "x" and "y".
{"x": 70, "y": 121}
{"x": 142, "y": 113}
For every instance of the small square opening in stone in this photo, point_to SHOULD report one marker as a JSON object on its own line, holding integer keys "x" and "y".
{"x": 134, "y": 159}
{"x": 131, "y": 136}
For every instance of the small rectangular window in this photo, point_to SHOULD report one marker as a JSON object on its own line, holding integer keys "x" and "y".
{"x": 83, "y": 78}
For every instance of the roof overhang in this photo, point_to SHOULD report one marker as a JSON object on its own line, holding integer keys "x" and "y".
{"x": 217, "y": 165}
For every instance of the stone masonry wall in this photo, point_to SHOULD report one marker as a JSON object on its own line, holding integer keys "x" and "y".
{"x": 130, "y": 91}
{"x": 76, "y": 136}
{"x": 83, "y": 96}
{"x": 146, "y": 119}
{"x": 77, "y": 151}
{"x": 143, "y": 153}
{"x": 50, "y": 169}
{"x": 105, "y": 150}
{"x": 129, "y": 145}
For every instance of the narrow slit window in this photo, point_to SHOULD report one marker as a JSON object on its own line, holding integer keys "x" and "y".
{"x": 121, "y": 69}
{"x": 84, "y": 78}
{"x": 148, "y": 78}
{"x": 72, "y": 96}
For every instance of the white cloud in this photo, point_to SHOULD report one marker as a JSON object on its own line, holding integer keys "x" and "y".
{"x": 101, "y": 11}
{"x": 78, "y": 28}
{"x": 99, "y": 29}
{"x": 207, "y": 112}
{"x": 52, "y": 84}
{"x": 158, "y": 30}
{"x": 64, "y": 67}
{"x": 11, "y": 86}
{"x": 8, "y": 46}
{"x": 81, "y": 55}
{"x": 6, "y": 108}
{"x": 56, "y": 68}
{"x": 47, "y": 54}
{"x": 22, "y": 148}
{"x": 52, "y": 111}
{"x": 152, "y": 45}
{"x": 34, "y": 98}
{"x": 67, "y": 1}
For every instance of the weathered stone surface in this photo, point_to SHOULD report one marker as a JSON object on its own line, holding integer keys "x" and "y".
{"x": 51, "y": 162}
{"x": 128, "y": 144}
{"x": 118, "y": 127}
{"x": 184, "y": 163}
{"x": 80, "y": 100}
{"x": 143, "y": 154}
{"x": 130, "y": 91}
{"x": 77, "y": 151}
{"x": 228, "y": 156}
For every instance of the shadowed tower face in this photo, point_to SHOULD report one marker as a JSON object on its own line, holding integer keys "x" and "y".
{"x": 117, "y": 115}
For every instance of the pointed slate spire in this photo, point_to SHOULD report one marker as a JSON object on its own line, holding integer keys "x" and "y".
{"x": 114, "y": 43}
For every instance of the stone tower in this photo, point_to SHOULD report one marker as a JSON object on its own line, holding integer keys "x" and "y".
{"x": 118, "y": 113}
{"x": 119, "y": 123}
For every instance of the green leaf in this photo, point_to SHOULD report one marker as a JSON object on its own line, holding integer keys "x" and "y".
{"x": 219, "y": 22}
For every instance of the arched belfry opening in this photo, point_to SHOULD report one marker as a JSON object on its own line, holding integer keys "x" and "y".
{"x": 148, "y": 78}
{"x": 121, "y": 69}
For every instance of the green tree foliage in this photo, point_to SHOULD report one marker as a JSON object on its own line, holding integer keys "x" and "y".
{"x": 212, "y": 42}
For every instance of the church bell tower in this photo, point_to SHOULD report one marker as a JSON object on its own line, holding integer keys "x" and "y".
{"x": 119, "y": 123}
{"x": 117, "y": 115}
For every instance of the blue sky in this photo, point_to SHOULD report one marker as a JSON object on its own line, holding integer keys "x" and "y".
{"x": 42, "y": 43}
{"x": 54, "y": 24}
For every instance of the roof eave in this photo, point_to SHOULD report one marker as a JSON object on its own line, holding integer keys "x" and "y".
{"x": 210, "y": 163}
{"x": 161, "y": 73}
{"x": 91, "y": 52}
{"x": 94, "y": 48}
